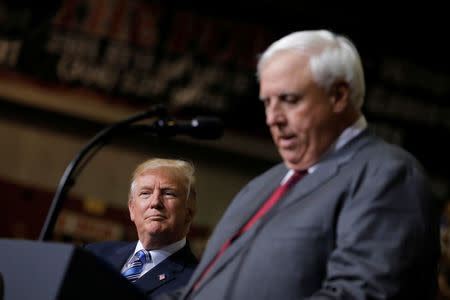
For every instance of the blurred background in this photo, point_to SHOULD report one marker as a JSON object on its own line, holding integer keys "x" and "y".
{"x": 68, "y": 68}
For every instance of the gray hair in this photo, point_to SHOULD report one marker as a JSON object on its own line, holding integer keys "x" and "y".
{"x": 331, "y": 57}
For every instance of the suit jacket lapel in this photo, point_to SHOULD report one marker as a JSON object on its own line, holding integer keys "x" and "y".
{"x": 308, "y": 184}
{"x": 164, "y": 272}
{"x": 231, "y": 252}
{"x": 120, "y": 256}
{"x": 243, "y": 212}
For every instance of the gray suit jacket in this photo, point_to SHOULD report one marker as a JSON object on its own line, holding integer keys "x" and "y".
{"x": 362, "y": 226}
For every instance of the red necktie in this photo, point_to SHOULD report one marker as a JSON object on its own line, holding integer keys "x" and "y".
{"x": 273, "y": 199}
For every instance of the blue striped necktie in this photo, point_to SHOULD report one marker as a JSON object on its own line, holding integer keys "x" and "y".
{"x": 136, "y": 264}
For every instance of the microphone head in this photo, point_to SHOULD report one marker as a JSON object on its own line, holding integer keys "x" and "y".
{"x": 206, "y": 127}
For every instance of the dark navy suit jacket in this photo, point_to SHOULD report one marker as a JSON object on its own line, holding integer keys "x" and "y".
{"x": 169, "y": 275}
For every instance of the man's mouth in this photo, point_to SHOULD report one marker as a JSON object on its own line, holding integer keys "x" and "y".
{"x": 155, "y": 217}
{"x": 286, "y": 141}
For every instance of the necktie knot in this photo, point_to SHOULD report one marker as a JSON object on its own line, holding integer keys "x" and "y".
{"x": 136, "y": 264}
{"x": 143, "y": 256}
{"x": 295, "y": 178}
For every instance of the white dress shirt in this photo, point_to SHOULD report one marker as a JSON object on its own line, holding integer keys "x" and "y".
{"x": 156, "y": 255}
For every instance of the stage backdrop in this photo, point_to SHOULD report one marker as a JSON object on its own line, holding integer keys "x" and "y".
{"x": 105, "y": 59}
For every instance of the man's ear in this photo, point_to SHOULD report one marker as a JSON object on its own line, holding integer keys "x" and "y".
{"x": 131, "y": 208}
{"x": 340, "y": 95}
{"x": 190, "y": 214}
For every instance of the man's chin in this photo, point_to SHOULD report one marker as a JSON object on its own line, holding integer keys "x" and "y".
{"x": 292, "y": 161}
{"x": 153, "y": 228}
{"x": 289, "y": 156}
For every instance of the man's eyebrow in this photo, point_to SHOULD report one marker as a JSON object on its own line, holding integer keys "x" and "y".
{"x": 283, "y": 94}
{"x": 280, "y": 95}
{"x": 145, "y": 187}
{"x": 170, "y": 186}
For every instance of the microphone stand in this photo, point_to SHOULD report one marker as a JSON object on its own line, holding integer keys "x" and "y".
{"x": 69, "y": 176}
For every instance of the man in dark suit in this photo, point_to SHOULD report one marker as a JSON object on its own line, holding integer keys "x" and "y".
{"x": 360, "y": 224}
{"x": 162, "y": 205}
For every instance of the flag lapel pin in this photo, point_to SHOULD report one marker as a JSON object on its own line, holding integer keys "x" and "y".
{"x": 161, "y": 276}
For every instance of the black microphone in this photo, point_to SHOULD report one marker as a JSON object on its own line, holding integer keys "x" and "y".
{"x": 205, "y": 127}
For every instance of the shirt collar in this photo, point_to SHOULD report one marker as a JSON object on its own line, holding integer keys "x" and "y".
{"x": 161, "y": 254}
{"x": 349, "y": 133}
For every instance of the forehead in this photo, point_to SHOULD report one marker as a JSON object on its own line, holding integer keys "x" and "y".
{"x": 161, "y": 176}
{"x": 285, "y": 69}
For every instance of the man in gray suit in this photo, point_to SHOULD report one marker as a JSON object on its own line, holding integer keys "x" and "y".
{"x": 360, "y": 225}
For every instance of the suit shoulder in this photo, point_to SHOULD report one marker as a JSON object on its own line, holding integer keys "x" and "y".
{"x": 186, "y": 255}
{"x": 382, "y": 153}
{"x": 105, "y": 246}
{"x": 191, "y": 259}
{"x": 380, "y": 161}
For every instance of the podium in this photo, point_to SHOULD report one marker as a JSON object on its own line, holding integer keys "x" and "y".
{"x": 47, "y": 271}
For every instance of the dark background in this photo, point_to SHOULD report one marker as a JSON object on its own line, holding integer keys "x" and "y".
{"x": 404, "y": 49}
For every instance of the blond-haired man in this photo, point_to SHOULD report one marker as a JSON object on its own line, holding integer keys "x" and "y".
{"x": 162, "y": 205}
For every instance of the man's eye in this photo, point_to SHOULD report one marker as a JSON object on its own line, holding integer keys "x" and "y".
{"x": 171, "y": 194}
{"x": 290, "y": 98}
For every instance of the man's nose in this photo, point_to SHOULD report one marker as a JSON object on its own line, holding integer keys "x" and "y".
{"x": 274, "y": 113}
{"x": 156, "y": 199}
